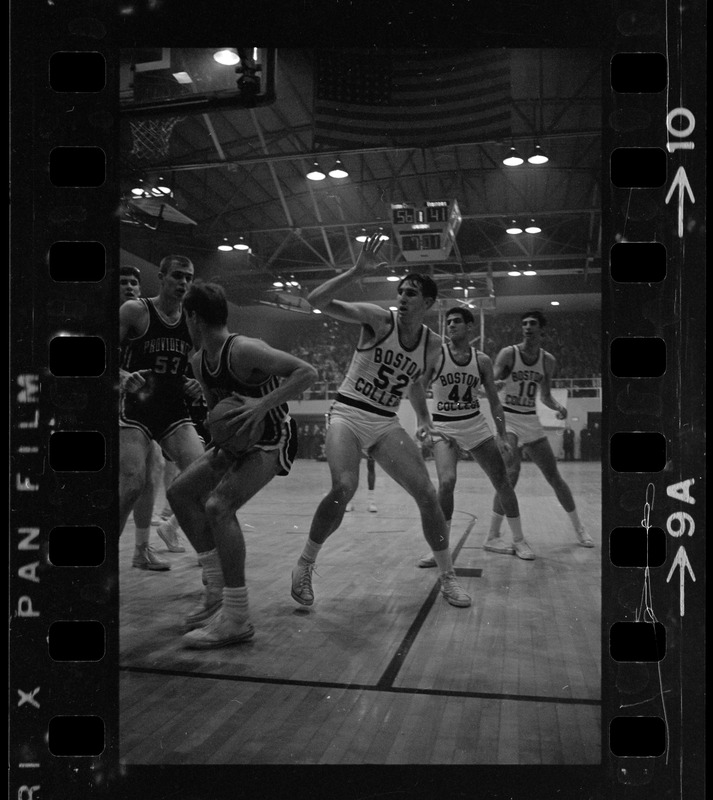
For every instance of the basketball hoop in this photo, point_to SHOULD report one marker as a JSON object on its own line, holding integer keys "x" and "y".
{"x": 152, "y": 137}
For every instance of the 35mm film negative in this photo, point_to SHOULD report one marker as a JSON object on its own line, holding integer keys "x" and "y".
{"x": 64, "y": 564}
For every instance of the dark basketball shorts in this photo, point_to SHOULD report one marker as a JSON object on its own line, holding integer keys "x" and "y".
{"x": 285, "y": 445}
{"x": 157, "y": 414}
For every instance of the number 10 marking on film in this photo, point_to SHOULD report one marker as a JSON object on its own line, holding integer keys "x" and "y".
{"x": 680, "y": 180}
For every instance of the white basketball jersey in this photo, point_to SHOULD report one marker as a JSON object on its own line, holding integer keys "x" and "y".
{"x": 521, "y": 385}
{"x": 455, "y": 387}
{"x": 380, "y": 373}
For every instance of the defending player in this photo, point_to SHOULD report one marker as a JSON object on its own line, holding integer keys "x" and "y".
{"x": 527, "y": 369}
{"x": 130, "y": 289}
{"x": 155, "y": 346}
{"x": 207, "y": 495}
{"x": 395, "y": 351}
{"x": 459, "y": 423}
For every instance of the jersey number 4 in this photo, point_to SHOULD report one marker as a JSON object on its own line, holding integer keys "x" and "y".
{"x": 454, "y": 395}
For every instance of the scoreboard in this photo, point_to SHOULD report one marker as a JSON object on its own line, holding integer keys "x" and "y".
{"x": 426, "y": 230}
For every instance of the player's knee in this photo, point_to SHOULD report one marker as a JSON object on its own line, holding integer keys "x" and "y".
{"x": 513, "y": 473}
{"x": 343, "y": 488}
{"x": 426, "y": 495}
{"x": 217, "y": 509}
{"x": 133, "y": 478}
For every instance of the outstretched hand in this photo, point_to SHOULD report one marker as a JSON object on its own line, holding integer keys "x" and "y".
{"x": 368, "y": 261}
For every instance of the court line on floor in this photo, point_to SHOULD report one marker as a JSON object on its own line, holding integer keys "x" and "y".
{"x": 394, "y": 666}
{"x": 366, "y": 687}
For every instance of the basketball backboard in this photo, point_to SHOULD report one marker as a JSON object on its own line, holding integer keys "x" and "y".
{"x": 173, "y": 81}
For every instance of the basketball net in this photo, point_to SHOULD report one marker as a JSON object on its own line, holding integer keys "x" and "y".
{"x": 152, "y": 137}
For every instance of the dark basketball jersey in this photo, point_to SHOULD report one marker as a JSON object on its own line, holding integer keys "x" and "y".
{"x": 162, "y": 349}
{"x": 222, "y": 383}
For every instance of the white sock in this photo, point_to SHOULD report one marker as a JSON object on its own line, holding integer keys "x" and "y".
{"x": 574, "y": 516}
{"x": 212, "y": 571}
{"x": 443, "y": 560}
{"x": 496, "y": 520}
{"x": 516, "y": 528}
{"x": 142, "y": 536}
{"x": 310, "y": 552}
{"x": 235, "y": 604}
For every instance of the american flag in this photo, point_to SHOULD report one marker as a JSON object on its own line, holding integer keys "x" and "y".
{"x": 410, "y": 98}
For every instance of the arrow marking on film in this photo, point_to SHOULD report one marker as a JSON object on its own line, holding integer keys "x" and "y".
{"x": 680, "y": 182}
{"x": 681, "y": 560}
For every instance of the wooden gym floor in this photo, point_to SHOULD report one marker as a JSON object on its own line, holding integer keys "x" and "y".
{"x": 381, "y": 669}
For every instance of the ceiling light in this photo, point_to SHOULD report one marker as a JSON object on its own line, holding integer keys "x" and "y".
{"x": 514, "y": 228}
{"x": 338, "y": 170}
{"x": 224, "y": 246}
{"x": 137, "y": 191}
{"x": 316, "y": 311}
{"x": 538, "y": 157}
{"x": 228, "y": 56}
{"x": 513, "y": 159}
{"x": 162, "y": 186}
{"x": 278, "y": 284}
{"x": 532, "y": 228}
{"x": 316, "y": 174}
{"x": 529, "y": 272}
{"x": 241, "y": 245}
{"x": 458, "y": 288}
{"x": 554, "y": 303}
{"x": 393, "y": 278}
{"x": 393, "y": 308}
{"x": 362, "y": 237}
{"x": 514, "y": 273}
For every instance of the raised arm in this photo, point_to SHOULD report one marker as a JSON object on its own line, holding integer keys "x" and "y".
{"x": 545, "y": 388}
{"x": 323, "y": 297}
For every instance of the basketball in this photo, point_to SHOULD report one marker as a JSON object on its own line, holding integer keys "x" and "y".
{"x": 221, "y": 433}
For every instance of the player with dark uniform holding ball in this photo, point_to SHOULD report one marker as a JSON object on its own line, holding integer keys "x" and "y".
{"x": 246, "y": 384}
{"x": 524, "y": 370}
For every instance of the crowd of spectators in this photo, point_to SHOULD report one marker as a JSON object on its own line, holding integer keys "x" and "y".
{"x": 574, "y": 339}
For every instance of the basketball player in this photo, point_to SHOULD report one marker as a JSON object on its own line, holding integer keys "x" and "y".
{"x": 527, "y": 369}
{"x": 130, "y": 289}
{"x": 395, "y": 351}
{"x": 155, "y": 347}
{"x": 208, "y": 493}
{"x": 459, "y": 423}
